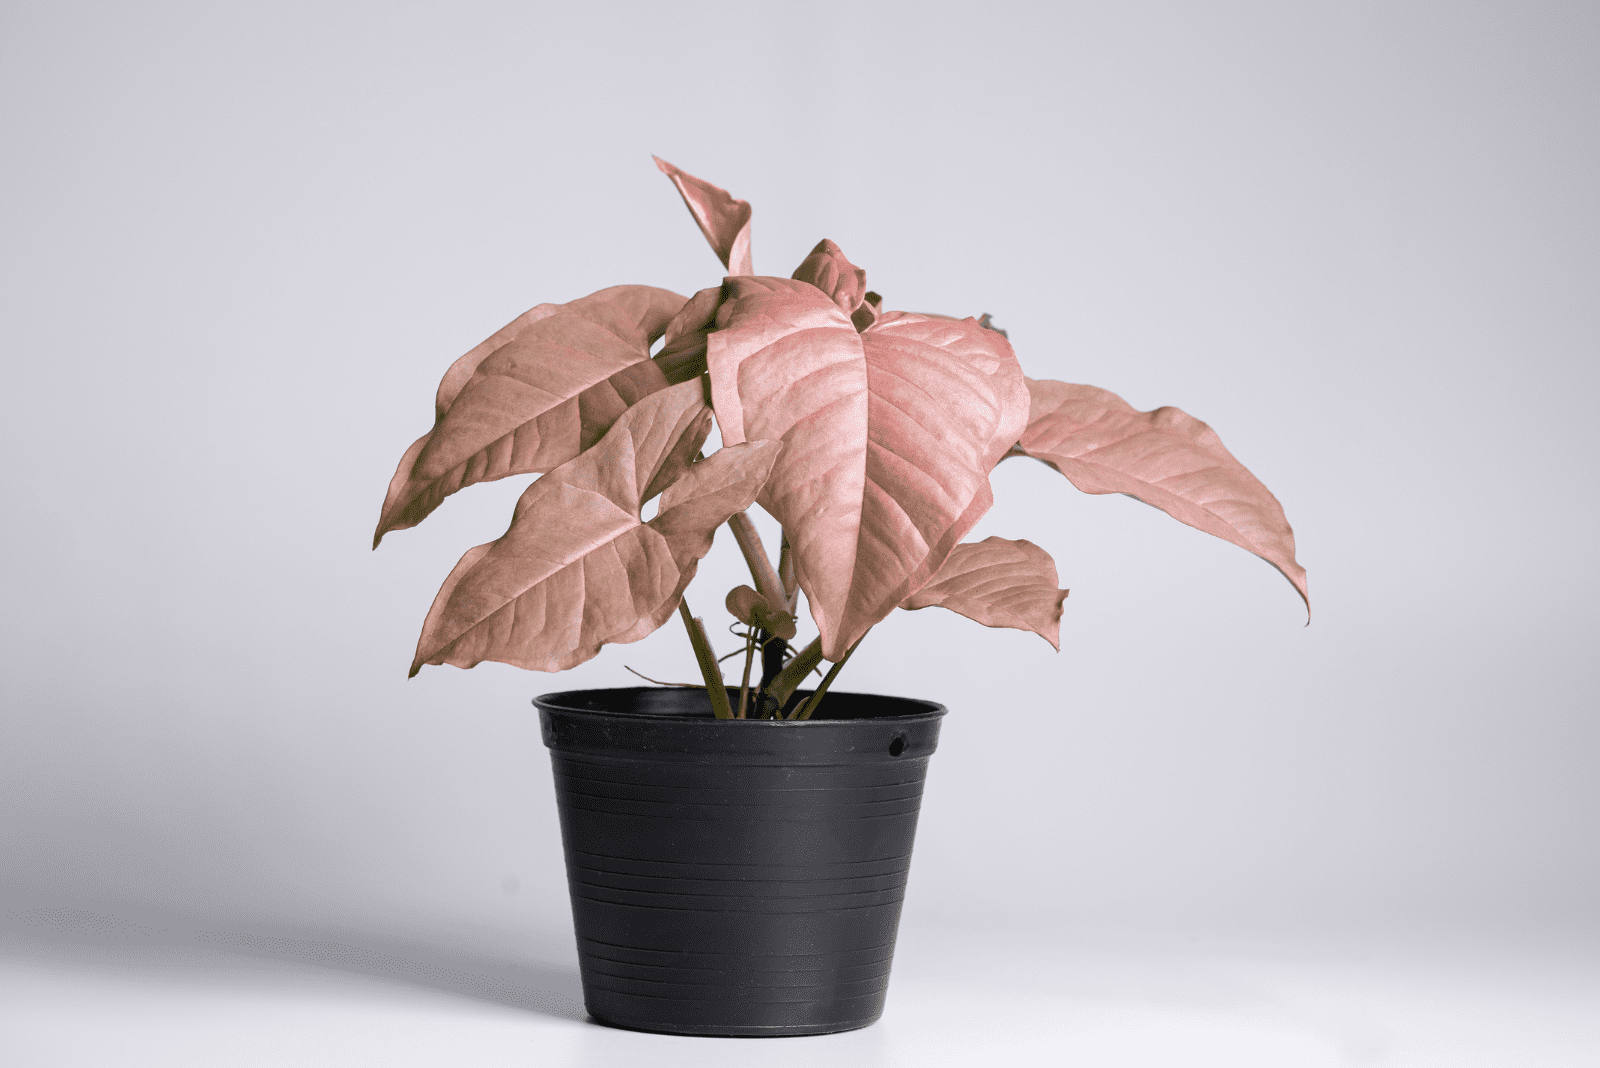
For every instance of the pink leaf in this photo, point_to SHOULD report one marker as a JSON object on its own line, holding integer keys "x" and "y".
{"x": 889, "y": 437}
{"x": 1164, "y": 458}
{"x": 578, "y": 568}
{"x": 533, "y": 396}
{"x": 683, "y": 350}
{"x": 998, "y": 583}
{"x": 702, "y": 500}
{"x": 724, "y": 220}
{"x": 829, "y": 270}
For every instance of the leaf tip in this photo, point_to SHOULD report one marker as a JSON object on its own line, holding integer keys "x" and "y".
{"x": 1301, "y": 586}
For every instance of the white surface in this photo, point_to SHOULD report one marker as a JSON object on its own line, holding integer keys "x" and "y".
{"x": 80, "y": 987}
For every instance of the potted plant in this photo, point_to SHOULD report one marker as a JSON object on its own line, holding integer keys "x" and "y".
{"x": 737, "y": 851}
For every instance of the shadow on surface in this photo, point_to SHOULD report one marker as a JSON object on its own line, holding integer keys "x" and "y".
{"x": 216, "y": 951}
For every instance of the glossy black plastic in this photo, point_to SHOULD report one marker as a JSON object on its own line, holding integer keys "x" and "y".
{"x": 736, "y": 877}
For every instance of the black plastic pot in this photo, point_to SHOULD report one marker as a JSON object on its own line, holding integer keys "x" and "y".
{"x": 736, "y": 877}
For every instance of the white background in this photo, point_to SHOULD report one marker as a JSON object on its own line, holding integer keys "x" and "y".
{"x": 243, "y": 241}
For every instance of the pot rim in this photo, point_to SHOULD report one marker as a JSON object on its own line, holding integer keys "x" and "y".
{"x": 553, "y": 702}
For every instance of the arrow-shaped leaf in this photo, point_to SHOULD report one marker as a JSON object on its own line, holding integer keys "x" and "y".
{"x": 724, "y": 220}
{"x": 577, "y": 568}
{"x": 533, "y": 396}
{"x": 998, "y": 583}
{"x": 1164, "y": 458}
{"x": 889, "y": 435}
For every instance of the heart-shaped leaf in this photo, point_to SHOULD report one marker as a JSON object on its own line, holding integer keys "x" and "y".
{"x": 998, "y": 583}
{"x": 889, "y": 437}
{"x": 1164, "y": 458}
{"x": 724, "y": 220}
{"x": 533, "y": 396}
{"x": 578, "y": 568}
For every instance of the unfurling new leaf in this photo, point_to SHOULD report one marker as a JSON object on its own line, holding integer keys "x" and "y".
{"x": 724, "y": 220}
{"x": 754, "y": 610}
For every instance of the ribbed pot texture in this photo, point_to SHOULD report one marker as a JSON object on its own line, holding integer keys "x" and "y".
{"x": 736, "y": 877}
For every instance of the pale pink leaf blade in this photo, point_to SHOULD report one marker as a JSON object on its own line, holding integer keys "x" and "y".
{"x": 712, "y": 490}
{"x": 577, "y": 568}
{"x": 1165, "y": 458}
{"x": 533, "y": 396}
{"x": 890, "y": 436}
{"x": 724, "y": 220}
{"x": 699, "y": 502}
{"x": 998, "y": 583}
{"x": 462, "y": 370}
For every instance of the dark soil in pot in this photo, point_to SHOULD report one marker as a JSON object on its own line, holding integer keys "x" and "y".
{"x": 736, "y": 877}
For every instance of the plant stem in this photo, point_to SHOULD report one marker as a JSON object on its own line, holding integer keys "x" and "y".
{"x": 787, "y": 576}
{"x": 755, "y": 554}
{"x": 744, "y": 685}
{"x": 783, "y": 686}
{"x": 804, "y": 711}
{"x": 773, "y": 649}
{"x": 715, "y": 687}
{"x": 760, "y": 640}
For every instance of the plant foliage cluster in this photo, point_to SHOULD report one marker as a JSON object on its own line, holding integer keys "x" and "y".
{"x": 869, "y": 434}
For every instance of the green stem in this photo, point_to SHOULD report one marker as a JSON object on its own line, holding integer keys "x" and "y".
{"x": 716, "y": 689}
{"x": 744, "y": 685}
{"x": 804, "y": 711}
